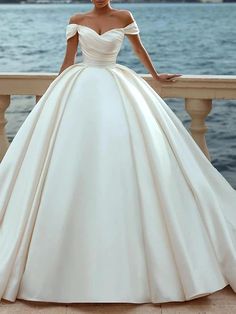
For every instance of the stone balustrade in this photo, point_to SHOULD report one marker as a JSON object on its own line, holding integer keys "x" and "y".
{"x": 198, "y": 91}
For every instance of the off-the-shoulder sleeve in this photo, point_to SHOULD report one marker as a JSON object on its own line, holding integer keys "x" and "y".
{"x": 71, "y": 30}
{"x": 132, "y": 28}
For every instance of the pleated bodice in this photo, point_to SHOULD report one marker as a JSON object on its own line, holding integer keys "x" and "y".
{"x": 100, "y": 49}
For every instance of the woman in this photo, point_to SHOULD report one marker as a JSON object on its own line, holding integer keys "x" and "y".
{"x": 130, "y": 209}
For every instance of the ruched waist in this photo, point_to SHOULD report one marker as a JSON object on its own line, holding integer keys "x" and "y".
{"x": 98, "y": 63}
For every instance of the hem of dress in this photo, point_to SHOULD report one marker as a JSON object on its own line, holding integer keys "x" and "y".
{"x": 132, "y": 301}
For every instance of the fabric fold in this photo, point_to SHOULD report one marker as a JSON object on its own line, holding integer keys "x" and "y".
{"x": 17, "y": 227}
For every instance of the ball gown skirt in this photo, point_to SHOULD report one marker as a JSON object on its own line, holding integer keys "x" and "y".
{"x": 106, "y": 197}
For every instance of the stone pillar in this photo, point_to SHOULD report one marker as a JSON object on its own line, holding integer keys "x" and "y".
{"x": 198, "y": 109}
{"x": 37, "y": 97}
{"x": 4, "y": 143}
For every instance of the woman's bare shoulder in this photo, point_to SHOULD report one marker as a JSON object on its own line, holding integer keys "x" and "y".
{"x": 126, "y": 16}
{"x": 77, "y": 18}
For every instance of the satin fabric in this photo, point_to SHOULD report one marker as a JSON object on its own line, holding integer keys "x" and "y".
{"x": 105, "y": 196}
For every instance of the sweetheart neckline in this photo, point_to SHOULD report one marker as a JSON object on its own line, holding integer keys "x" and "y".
{"x": 110, "y": 30}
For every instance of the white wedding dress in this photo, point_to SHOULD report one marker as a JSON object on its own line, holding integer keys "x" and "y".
{"x": 106, "y": 197}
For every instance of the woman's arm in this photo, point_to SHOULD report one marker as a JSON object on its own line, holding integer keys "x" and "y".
{"x": 144, "y": 57}
{"x": 71, "y": 50}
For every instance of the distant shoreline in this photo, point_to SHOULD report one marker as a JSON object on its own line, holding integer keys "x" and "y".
{"x": 114, "y": 1}
{"x": 131, "y": 2}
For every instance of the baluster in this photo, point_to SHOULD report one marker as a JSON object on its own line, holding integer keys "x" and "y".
{"x": 198, "y": 109}
{"x": 4, "y": 143}
{"x": 37, "y": 97}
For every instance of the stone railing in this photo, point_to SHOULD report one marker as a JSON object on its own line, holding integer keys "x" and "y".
{"x": 198, "y": 91}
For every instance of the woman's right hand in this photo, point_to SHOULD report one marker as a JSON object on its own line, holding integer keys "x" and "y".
{"x": 167, "y": 77}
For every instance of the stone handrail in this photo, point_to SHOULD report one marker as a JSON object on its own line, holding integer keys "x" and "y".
{"x": 198, "y": 91}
